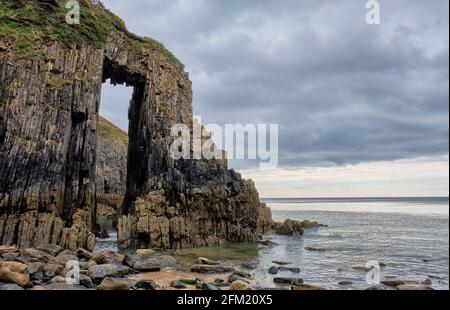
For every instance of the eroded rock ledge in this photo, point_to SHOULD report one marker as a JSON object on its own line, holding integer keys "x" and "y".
{"x": 50, "y": 83}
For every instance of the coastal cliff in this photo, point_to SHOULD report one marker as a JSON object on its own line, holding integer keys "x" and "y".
{"x": 51, "y": 75}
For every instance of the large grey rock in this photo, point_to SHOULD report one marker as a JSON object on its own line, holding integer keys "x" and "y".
{"x": 99, "y": 272}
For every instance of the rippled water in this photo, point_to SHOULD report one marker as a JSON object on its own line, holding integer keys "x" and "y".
{"x": 410, "y": 236}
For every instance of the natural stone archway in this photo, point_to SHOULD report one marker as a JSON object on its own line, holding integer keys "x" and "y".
{"x": 49, "y": 105}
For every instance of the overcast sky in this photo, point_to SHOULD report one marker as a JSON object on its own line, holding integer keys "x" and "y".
{"x": 363, "y": 110}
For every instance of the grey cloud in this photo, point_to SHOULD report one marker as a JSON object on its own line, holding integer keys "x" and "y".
{"x": 343, "y": 92}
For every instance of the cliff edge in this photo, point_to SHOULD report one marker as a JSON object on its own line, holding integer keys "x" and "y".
{"x": 51, "y": 75}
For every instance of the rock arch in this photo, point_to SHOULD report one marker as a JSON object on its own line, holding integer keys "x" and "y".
{"x": 48, "y": 116}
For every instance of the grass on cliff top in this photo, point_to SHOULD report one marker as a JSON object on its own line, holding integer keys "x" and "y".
{"x": 107, "y": 131}
{"x": 26, "y": 21}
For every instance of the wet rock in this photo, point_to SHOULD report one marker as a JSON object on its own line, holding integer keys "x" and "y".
{"x": 114, "y": 284}
{"x": 178, "y": 285}
{"x": 205, "y": 261}
{"x": 309, "y": 287}
{"x": 189, "y": 281}
{"x": 288, "y": 228}
{"x": 311, "y": 249}
{"x": 51, "y": 249}
{"x": 7, "y": 249}
{"x": 281, "y": 262}
{"x": 86, "y": 281}
{"x": 290, "y": 269}
{"x": 221, "y": 283}
{"x": 274, "y": 270}
{"x": 249, "y": 265}
{"x": 378, "y": 287}
{"x": 393, "y": 283}
{"x": 148, "y": 285}
{"x": 345, "y": 283}
{"x": 362, "y": 268}
{"x": 311, "y": 224}
{"x": 427, "y": 282}
{"x": 211, "y": 269}
{"x": 210, "y": 287}
{"x": 243, "y": 274}
{"x": 268, "y": 243}
{"x": 414, "y": 287}
{"x": 98, "y": 272}
{"x": 240, "y": 286}
{"x": 154, "y": 263}
{"x": 232, "y": 278}
{"x": 289, "y": 281}
{"x": 15, "y": 273}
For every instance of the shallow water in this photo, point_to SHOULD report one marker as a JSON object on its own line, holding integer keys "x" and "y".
{"x": 410, "y": 236}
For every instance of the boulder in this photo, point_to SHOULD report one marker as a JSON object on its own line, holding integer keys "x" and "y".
{"x": 57, "y": 279}
{"x": 281, "y": 262}
{"x": 309, "y": 287}
{"x": 154, "y": 263}
{"x": 362, "y": 268}
{"x": 414, "y": 287}
{"x": 273, "y": 270}
{"x": 345, "y": 283}
{"x": 63, "y": 259}
{"x": 240, "y": 286}
{"x": 86, "y": 281}
{"x": 178, "y": 285}
{"x": 267, "y": 243}
{"x": 393, "y": 283}
{"x": 108, "y": 257}
{"x": 205, "y": 261}
{"x": 148, "y": 285}
{"x": 51, "y": 249}
{"x": 211, "y": 269}
{"x": 232, "y": 278}
{"x": 249, "y": 265}
{"x": 210, "y": 287}
{"x": 114, "y": 284}
{"x": 288, "y": 228}
{"x": 83, "y": 253}
{"x": 16, "y": 273}
{"x": 311, "y": 249}
{"x": 290, "y": 269}
{"x": 98, "y": 272}
{"x": 289, "y": 281}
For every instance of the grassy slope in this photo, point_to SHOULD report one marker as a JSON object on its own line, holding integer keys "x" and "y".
{"x": 28, "y": 21}
{"x": 110, "y": 133}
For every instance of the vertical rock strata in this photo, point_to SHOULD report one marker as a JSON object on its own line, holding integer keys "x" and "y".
{"x": 49, "y": 106}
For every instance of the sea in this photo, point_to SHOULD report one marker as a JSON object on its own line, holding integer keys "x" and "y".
{"x": 407, "y": 237}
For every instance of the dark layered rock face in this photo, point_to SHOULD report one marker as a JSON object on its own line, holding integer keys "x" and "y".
{"x": 48, "y": 140}
{"x": 111, "y": 174}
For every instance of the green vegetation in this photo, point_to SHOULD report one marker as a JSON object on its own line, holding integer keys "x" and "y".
{"x": 28, "y": 21}
{"x": 58, "y": 83}
{"x": 110, "y": 132}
